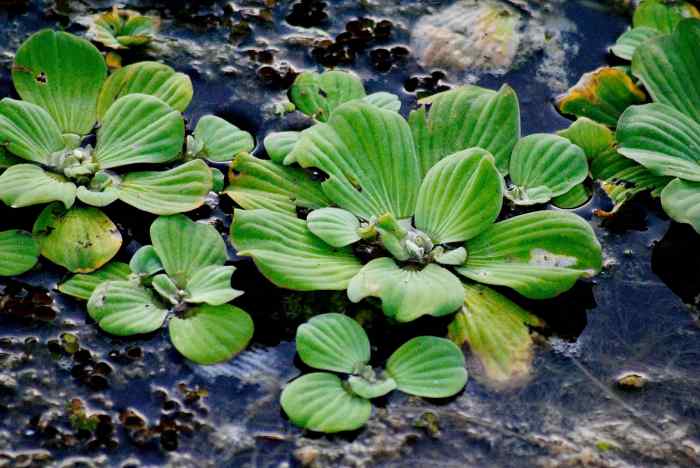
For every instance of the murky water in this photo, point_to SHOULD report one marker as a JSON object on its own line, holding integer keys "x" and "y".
{"x": 72, "y": 394}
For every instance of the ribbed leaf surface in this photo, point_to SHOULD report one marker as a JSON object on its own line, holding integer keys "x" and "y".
{"x": 631, "y": 39}
{"x": 334, "y": 226}
{"x": 28, "y": 184}
{"x": 222, "y": 140}
{"x": 279, "y": 144}
{"x": 211, "y": 285}
{"x": 663, "y": 15}
{"x": 28, "y": 131}
{"x": 681, "y": 200}
{"x": 18, "y": 252}
{"x": 333, "y": 342}
{"x": 125, "y": 308}
{"x": 83, "y": 285}
{"x": 318, "y": 95}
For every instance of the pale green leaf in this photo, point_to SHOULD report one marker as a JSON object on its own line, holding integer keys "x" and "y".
{"x": 369, "y": 157}
{"x": 81, "y": 239}
{"x": 464, "y": 118}
{"x": 318, "y": 95}
{"x": 460, "y": 196}
{"x": 450, "y": 257}
{"x": 222, "y": 140}
{"x": 319, "y": 402}
{"x": 384, "y": 100}
{"x": 211, "y": 285}
{"x": 166, "y": 288}
{"x": 97, "y": 198}
{"x": 539, "y": 254}
{"x": 82, "y": 285}
{"x": 63, "y": 74}
{"x": 334, "y": 226}
{"x": 139, "y": 129}
{"x": 209, "y": 334}
{"x": 428, "y": 366}
{"x": 125, "y": 308}
{"x": 333, "y": 342}
{"x": 288, "y": 254}
{"x": 681, "y": 200}
{"x": 145, "y": 261}
{"x": 28, "y": 131}
{"x": 28, "y": 184}
{"x": 279, "y": 144}
{"x": 371, "y": 389}
{"x": 18, "y": 252}
{"x": 632, "y": 39}
{"x": 410, "y": 292}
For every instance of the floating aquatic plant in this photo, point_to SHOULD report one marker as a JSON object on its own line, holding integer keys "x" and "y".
{"x": 18, "y": 252}
{"x": 425, "y": 366}
{"x": 182, "y": 279}
{"x": 122, "y": 29}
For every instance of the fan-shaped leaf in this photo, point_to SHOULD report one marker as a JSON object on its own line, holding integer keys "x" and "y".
{"x": 139, "y": 129}
{"x": 601, "y": 95}
{"x": 209, "y": 334}
{"x": 80, "y": 239}
{"x": 257, "y": 183}
{"x": 28, "y": 184}
{"x": 384, "y": 100}
{"x": 211, "y": 285}
{"x": 369, "y": 157}
{"x": 662, "y": 139}
{"x": 279, "y": 144}
{"x": 539, "y": 254}
{"x": 574, "y": 198}
{"x": 334, "y": 226}
{"x": 18, "y": 252}
{"x": 152, "y": 78}
{"x": 320, "y": 402}
{"x": 593, "y": 138}
{"x": 544, "y": 166}
{"x": 222, "y": 140}
{"x": 496, "y": 331}
{"x": 125, "y": 308}
{"x": 288, "y": 254}
{"x": 631, "y": 39}
{"x": 184, "y": 247}
{"x": 406, "y": 293}
{"x": 669, "y": 68}
{"x": 166, "y": 288}
{"x": 318, "y": 95}
{"x": 681, "y": 200}
{"x": 83, "y": 285}
{"x": 460, "y": 196}
{"x": 28, "y": 131}
{"x": 428, "y": 366}
{"x": 662, "y": 15}
{"x": 333, "y": 342}
{"x": 464, "y": 118}
{"x": 178, "y": 190}
{"x": 63, "y": 74}
{"x": 145, "y": 261}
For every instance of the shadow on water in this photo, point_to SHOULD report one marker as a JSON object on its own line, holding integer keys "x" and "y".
{"x": 68, "y": 390}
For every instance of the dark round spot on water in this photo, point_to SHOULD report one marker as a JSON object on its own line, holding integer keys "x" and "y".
{"x": 169, "y": 440}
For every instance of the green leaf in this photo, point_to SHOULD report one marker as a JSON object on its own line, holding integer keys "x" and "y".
{"x": 119, "y": 29}
{"x": 496, "y": 331}
{"x": 574, "y": 198}
{"x": 428, "y": 366}
{"x": 288, "y": 254}
{"x": 669, "y": 68}
{"x": 218, "y": 180}
{"x": 544, "y": 166}
{"x": 662, "y": 15}
{"x": 125, "y": 308}
{"x": 81, "y": 239}
{"x": 222, "y": 140}
{"x": 384, "y": 100}
{"x": 593, "y": 138}
{"x": 145, "y": 261}
{"x": 28, "y": 131}
{"x": 369, "y": 157}
{"x": 139, "y": 129}
{"x": 601, "y": 95}
{"x": 464, "y": 118}
{"x": 334, "y": 226}
{"x": 407, "y": 293}
{"x": 662, "y": 139}
{"x": 279, "y": 144}
{"x": 152, "y": 78}
{"x": 257, "y": 183}
{"x": 6, "y": 159}
{"x": 681, "y": 200}
{"x": 209, "y": 334}
{"x": 172, "y": 238}
{"x": 178, "y": 190}
{"x": 83, "y": 285}
{"x": 318, "y": 95}
{"x": 371, "y": 389}
{"x": 319, "y": 402}
{"x": 18, "y": 252}
{"x": 96, "y": 198}
{"x": 211, "y": 285}
{"x": 450, "y": 257}
{"x": 166, "y": 288}
{"x": 63, "y": 74}
{"x": 630, "y": 41}
{"x": 460, "y": 196}
{"x": 28, "y": 184}
{"x": 539, "y": 254}
{"x": 333, "y": 342}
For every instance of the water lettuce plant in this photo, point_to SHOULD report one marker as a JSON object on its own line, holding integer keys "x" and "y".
{"x": 180, "y": 278}
{"x": 18, "y": 252}
{"x": 405, "y": 209}
{"x": 122, "y": 29}
{"x": 425, "y": 366}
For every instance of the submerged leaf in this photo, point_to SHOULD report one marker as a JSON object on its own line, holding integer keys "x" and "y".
{"x": 428, "y": 366}
{"x": 81, "y": 239}
{"x": 288, "y": 254}
{"x": 209, "y": 334}
{"x": 125, "y": 308}
{"x": 221, "y": 139}
{"x": 407, "y": 293}
{"x": 334, "y": 226}
{"x": 333, "y": 342}
{"x": 83, "y": 285}
{"x": 319, "y": 402}
{"x": 18, "y": 252}
{"x": 28, "y": 184}
{"x": 318, "y": 95}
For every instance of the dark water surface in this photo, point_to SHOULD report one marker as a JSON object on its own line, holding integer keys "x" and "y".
{"x": 70, "y": 394}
